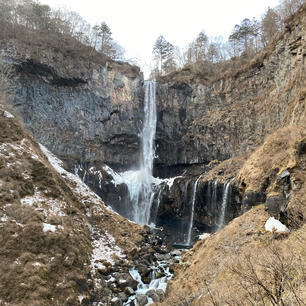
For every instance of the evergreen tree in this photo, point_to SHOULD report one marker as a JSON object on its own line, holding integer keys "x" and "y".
{"x": 163, "y": 52}
{"x": 244, "y": 37}
{"x": 104, "y": 35}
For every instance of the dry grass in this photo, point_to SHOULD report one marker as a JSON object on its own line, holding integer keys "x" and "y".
{"x": 278, "y": 153}
{"x": 242, "y": 264}
{"x": 46, "y": 268}
{"x": 218, "y": 271}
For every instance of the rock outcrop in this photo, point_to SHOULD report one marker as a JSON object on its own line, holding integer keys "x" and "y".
{"x": 200, "y": 121}
{"x": 83, "y": 111}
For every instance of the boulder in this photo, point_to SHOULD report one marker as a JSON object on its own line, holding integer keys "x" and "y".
{"x": 275, "y": 204}
{"x": 142, "y": 299}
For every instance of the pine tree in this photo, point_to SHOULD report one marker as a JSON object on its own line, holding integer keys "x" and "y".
{"x": 163, "y": 52}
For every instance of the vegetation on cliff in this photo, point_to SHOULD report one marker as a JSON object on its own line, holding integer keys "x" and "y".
{"x": 206, "y": 60}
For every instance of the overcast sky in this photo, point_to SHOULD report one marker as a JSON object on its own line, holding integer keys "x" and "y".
{"x": 136, "y": 24}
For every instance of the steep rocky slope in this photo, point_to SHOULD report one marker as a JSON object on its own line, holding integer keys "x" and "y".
{"x": 220, "y": 123}
{"x": 199, "y": 121}
{"x": 59, "y": 243}
{"x": 243, "y": 264}
{"x": 90, "y": 113}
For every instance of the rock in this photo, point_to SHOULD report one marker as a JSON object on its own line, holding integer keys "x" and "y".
{"x": 143, "y": 270}
{"x": 275, "y": 204}
{"x": 162, "y": 257}
{"x": 103, "y": 270}
{"x": 302, "y": 148}
{"x": 141, "y": 299}
{"x": 122, "y": 283}
{"x": 116, "y": 302}
{"x": 252, "y": 198}
{"x": 284, "y": 174}
{"x": 112, "y": 131}
{"x": 161, "y": 294}
{"x": 116, "y": 275}
{"x": 129, "y": 291}
{"x": 113, "y": 287}
{"x": 130, "y": 282}
{"x": 153, "y": 295}
{"x": 123, "y": 297}
{"x": 176, "y": 253}
{"x": 159, "y": 274}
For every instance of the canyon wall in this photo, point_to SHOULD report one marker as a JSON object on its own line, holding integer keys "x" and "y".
{"x": 82, "y": 111}
{"x": 200, "y": 122}
{"x": 90, "y": 113}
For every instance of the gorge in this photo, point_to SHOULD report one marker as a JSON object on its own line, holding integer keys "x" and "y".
{"x": 88, "y": 146}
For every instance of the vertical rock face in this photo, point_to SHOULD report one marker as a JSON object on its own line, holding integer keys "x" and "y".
{"x": 82, "y": 112}
{"x": 200, "y": 122}
{"x": 92, "y": 113}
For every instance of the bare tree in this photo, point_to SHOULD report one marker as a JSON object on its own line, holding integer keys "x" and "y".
{"x": 274, "y": 279}
{"x": 289, "y": 7}
{"x": 271, "y": 25}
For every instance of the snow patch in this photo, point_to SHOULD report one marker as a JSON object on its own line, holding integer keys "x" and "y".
{"x": 168, "y": 181}
{"x": 50, "y": 207}
{"x": 104, "y": 249}
{"x": 24, "y": 146}
{"x": 4, "y": 218}
{"x": 49, "y": 227}
{"x": 80, "y": 298}
{"x": 79, "y": 187}
{"x": 8, "y": 115}
{"x": 273, "y": 225}
{"x": 204, "y": 236}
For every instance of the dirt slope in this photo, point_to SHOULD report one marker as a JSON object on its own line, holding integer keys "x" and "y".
{"x": 54, "y": 232}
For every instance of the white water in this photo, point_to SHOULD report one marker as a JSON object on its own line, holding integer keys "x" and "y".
{"x": 155, "y": 283}
{"x": 226, "y": 189}
{"x": 192, "y": 211}
{"x": 140, "y": 181}
{"x": 214, "y": 195}
{"x": 141, "y": 191}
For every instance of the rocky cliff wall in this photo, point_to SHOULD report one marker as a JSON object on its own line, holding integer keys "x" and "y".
{"x": 82, "y": 111}
{"x": 198, "y": 123}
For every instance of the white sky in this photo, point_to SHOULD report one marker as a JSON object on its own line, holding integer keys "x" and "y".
{"x": 136, "y": 24}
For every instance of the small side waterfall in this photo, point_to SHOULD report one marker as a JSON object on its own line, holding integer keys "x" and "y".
{"x": 192, "y": 210}
{"x": 214, "y": 194}
{"x": 225, "y": 198}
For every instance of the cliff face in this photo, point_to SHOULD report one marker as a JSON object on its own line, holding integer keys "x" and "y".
{"x": 90, "y": 113}
{"x": 82, "y": 111}
{"x": 198, "y": 123}
{"x": 226, "y": 120}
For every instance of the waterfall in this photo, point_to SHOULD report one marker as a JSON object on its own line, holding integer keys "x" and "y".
{"x": 192, "y": 210}
{"x": 226, "y": 192}
{"x": 140, "y": 181}
{"x": 214, "y": 194}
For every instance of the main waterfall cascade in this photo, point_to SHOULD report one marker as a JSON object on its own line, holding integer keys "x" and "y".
{"x": 140, "y": 186}
{"x": 143, "y": 189}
